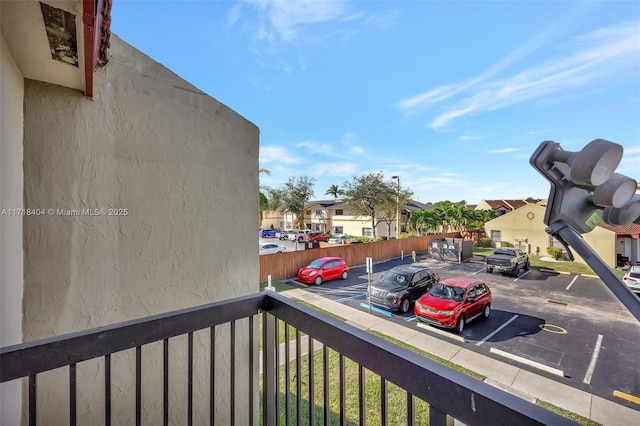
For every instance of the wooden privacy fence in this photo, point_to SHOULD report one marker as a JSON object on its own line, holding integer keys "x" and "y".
{"x": 286, "y": 265}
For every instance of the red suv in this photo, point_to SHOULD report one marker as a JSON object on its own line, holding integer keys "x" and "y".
{"x": 453, "y": 302}
{"x": 323, "y": 269}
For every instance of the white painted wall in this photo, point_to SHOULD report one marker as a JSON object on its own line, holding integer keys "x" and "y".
{"x": 185, "y": 167}
{"x": 11, "y": 262}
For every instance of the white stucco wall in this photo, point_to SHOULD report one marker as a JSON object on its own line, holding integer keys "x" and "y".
{"x": 11, "y": 189}
{"x": 185, "y": 168}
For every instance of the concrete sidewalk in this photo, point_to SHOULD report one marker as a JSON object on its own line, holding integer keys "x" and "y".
{"x": 502, "y": 375}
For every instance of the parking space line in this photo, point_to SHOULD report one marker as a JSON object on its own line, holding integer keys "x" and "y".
{"x": 497, "y": 330}
{"x": 572, "y": 281}
{"x": 626, "y": 396}
{"x": 594, "y": 359}
{"x": 478, "y": 271}
{"x": 436, "y": 330}
{"x": 528, "y": 362}
{"x": 522, "y": 275}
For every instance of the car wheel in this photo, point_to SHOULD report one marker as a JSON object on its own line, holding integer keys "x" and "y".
{"x": 318, "y": 280}
{"x": 300, "y": 239}
{"x": 280, "y": 252}
{"x": 489, "y": 270}
{"x": 516, "y": 272}
{"x": 487, "y": 311}
{"x": 404, "y": 305}
{"x": 460, "y": 325}
{"x": 527, "y": 266}
{"x": 345, "y": 274}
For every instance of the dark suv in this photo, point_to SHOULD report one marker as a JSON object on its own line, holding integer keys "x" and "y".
{"x": 402, "y": 285}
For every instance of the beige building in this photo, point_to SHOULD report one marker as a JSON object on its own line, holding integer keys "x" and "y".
{"x": 335, "y": 217}
{"x": 524, "y": 227}
{"x": 117, "y": 178}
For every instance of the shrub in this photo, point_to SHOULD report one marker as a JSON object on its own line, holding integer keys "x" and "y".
{"x": 505, "y": 244}
{"x": 556, "y": 252}
{"x": 360, "y": 238}
{"x": 383, "y": 238}
{"x": 485, "y": 242}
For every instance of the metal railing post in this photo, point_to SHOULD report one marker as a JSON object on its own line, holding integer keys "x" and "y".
{"x": 269, "y": 369}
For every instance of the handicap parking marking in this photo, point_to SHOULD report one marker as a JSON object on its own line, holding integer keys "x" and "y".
{"x": 376, "y": 309}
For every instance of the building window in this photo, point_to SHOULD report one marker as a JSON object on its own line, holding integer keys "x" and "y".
{"x": 338, "y": 230}
{"x": 317, "y": 227}
{"x": 496, "y": 236}
{"x": 308, "y": 213}
{"x": 339, "y": 212}
{"x": 367, "y": 232}
{"x": 319, "y": 213}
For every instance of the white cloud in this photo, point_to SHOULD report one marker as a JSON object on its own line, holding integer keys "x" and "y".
{"x": 604, "y": 55}
{"x": 505, "y": 150}
{"x": 278, "y": 154}
{"x": 343, "y": 169}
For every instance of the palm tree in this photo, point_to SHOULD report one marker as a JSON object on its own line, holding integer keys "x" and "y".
{"x": 334, "y": 191}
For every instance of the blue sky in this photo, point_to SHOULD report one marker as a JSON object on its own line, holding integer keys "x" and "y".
{"x": 452, "y": 96}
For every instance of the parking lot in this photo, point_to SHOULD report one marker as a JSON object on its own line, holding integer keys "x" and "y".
{"x": 566, "y": 327}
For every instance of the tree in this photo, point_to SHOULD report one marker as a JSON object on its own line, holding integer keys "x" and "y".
{"x": 334, "y": 191}
{"x": 391, "y": 208}
{"x": 263, "y": 204}
{"x": 367, "y": 195}
{"x": 293, "y": 195}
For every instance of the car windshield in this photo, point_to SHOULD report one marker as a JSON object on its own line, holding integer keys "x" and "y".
{"x": 504, "y": 251}
{"x": 443, "y": 291}
{"x": 396, "y": 277}
{"x": 316, "y": 264}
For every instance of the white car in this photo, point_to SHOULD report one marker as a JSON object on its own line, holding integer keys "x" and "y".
{"x": 632, "y": 278}
{"x": 337, "y": 239}
{"x": 271, "y": 248}
{"x": 300, "y": 235}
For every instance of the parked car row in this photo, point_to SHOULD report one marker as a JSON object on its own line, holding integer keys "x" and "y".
{"x": 450, "y": 303}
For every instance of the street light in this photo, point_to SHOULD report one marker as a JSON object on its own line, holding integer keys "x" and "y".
{"x": 397, "y": 208}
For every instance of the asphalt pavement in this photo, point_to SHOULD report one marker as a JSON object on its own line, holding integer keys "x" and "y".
{"x": 508, "y": 377}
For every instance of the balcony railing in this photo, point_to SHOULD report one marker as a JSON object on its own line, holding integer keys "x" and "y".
{"x": 271, "y": 394}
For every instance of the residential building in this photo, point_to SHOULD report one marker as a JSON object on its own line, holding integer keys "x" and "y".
{"x": 524, "y": 227}
{"x": 335, "y": 217}
{"x": 502, "y": 206}
{"x": 117, "y": 181}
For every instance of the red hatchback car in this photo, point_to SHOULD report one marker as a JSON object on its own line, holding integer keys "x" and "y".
{"x": 324, "y": 269}
{"x": 453, "y": 302}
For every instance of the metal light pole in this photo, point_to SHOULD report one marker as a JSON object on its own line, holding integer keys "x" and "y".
{"x": 397, "y": 207}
